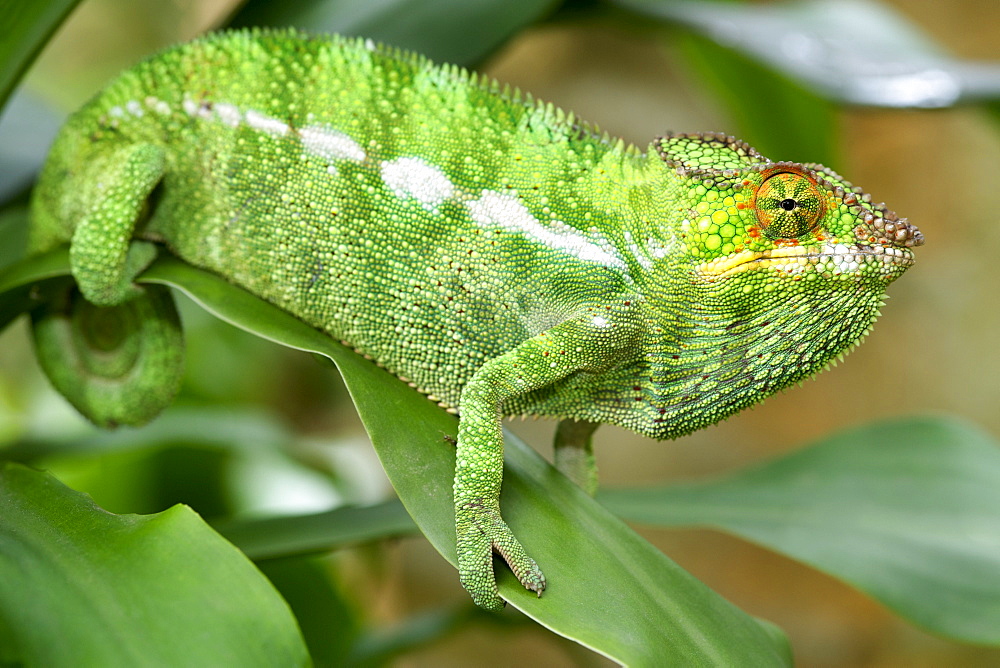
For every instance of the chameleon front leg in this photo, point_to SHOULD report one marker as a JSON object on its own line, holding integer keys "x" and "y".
{"x": 591, "y": 344}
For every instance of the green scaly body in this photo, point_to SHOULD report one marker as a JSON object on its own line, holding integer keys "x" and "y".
{"x": 491, "y": 251}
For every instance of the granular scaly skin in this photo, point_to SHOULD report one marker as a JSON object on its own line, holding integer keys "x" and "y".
{"x": 492, "y": 251}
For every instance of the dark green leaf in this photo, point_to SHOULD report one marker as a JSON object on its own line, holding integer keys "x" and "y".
{"x": 285, "y": 536}
{"x": 906, "y": 510}
{"x": 22, "y": 285}
{"x": 13, "y": 234}
{"x": 609, "y": 589}
{"x": 379, "y": 647}
{"x": 776, "y": 115}
{"x": 448, "y": 31}
{"x": 82, "y": 587}
{"x": 25, "y": 26}
{"x": 329, "y": 622}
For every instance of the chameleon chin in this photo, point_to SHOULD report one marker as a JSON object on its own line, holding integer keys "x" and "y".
{"x": 526, "y": 263}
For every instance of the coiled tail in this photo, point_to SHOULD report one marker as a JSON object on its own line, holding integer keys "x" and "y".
{"x": 117, "y": 364}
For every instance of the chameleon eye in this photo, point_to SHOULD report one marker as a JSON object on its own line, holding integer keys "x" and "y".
{"x": 788, "y": 205}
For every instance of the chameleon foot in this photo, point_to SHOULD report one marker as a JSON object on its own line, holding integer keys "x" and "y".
{"x": 481, "y": 532}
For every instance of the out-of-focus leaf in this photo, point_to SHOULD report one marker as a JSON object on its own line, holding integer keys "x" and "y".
{"x": 448, "y": 31}
{"x": 609, "y": 590}
{"x": 25, "y": 26}
{"x": 329, "y": 623}
{"x": 272, "y": 537}
{"x": 906, "y": 510}
{"x": 22, "y": 284}
{"x": 209, "y": 427}
{"x": 776, "y": 115}
{"x": 13, "y": 233}
{"x": 379, "y": 647}
{"x": 82, "y": 587}
{"x": 853, "y": 51}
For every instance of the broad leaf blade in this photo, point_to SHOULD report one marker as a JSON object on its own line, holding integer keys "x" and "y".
{"x": 20, "y": 282}
{"x": 850, "y": 51}
{"x": 128, "y": 589}
{"x": 610, "y": 590}
{"x": 906, "y": 510}
{"x": 25, "y": 26}
{"x": 273, "y": 537}
{"x": 779, "y": 117}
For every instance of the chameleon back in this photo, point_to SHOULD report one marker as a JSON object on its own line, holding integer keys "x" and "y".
{"x": 420, "y": 214}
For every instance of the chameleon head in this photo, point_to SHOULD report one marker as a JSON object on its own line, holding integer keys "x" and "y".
{"x": 779, "y": 268}
{"x": 781, "y": 220}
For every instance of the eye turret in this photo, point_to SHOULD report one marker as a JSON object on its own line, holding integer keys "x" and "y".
{"x": 788, "y": 205}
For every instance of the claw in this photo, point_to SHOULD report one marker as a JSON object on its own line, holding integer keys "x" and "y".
{"x": 482, "y": 532}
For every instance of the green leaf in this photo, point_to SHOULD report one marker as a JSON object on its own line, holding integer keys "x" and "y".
{"x": 906, "y": 510}
{"x": 779, "y": 117}
{"x": 25, "y": 26}
{"x": 378, "y": 647}
{"x": 272, "y": 537}
{"x": 80, "y": 586}
{"x": 330, "y": 623}
{"x": 851, "y": 51}
{"x": 610, "y": 590}
{"x": 22, "y": 285}
{"x": 13, "y": 232}
{"x": 463, "y": 32}
{"x": 209, "y": 427}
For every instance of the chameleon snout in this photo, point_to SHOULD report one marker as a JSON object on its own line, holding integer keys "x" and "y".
{"x": 889, "y": 229}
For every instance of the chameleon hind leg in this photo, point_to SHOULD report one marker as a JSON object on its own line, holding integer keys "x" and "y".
{"x": 103, "y": 255}
{"x": 113, "y": 349}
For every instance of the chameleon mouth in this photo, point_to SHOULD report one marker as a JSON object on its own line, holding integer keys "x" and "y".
{"x": 835, "y": 259}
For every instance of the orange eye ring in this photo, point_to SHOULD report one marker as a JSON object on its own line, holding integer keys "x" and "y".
{"x": 788, "y": 205}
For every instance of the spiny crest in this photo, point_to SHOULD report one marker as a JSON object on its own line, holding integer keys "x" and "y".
{"x": 460, "y": 76}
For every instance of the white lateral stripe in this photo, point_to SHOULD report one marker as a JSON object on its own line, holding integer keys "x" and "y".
{"x": 228, "y": 114}
{"x": 330, "y": 144}
{"x": 412, "y": 177}
{"x": 322, "y": 141}
{"x": 158, "y": 105}
{"x": 264, "y": 123}
{"x": 495, "y": 209}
